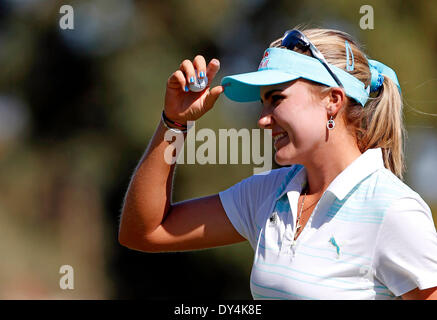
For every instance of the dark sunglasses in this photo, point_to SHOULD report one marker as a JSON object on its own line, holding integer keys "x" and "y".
{"x": 296, "y": 39}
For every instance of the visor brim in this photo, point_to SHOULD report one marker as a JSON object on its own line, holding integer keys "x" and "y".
{"x": 245, "y": 87}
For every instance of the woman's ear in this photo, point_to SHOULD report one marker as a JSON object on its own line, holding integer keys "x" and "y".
{"x": 337, "y": 98}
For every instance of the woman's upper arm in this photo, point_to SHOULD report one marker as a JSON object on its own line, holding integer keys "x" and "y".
{"x": 404, "y": 256}
{"x": 193, "y": 224}
{"x": 417, "y": 294}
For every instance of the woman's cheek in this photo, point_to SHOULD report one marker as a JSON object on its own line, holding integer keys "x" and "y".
{"x": 307, "y": 134}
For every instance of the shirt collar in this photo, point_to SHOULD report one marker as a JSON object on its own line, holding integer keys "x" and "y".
{"x": 367, "y": 163}
{"x": 370, "y": 161}
{"x": 294, "y": 180}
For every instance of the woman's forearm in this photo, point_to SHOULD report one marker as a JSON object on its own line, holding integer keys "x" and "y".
{"x": 148, "y": 197}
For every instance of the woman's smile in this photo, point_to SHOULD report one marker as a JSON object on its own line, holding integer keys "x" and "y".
{"x": 280, "y": 139}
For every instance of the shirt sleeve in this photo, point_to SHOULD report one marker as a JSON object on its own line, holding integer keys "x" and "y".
{"x": 406, "y": 247}
{"x": 244, "y": 200}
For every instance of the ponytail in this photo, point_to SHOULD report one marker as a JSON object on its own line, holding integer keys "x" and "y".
{"x": 380, "y": 125}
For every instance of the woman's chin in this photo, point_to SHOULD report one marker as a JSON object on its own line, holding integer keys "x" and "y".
{"x": 282, "y": 158}
{"x": 284, "y": 151}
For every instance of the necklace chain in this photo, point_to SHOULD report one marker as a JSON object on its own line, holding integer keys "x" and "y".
{"x": 298, "y": 225}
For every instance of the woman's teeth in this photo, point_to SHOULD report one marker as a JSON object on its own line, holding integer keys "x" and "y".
{"x": 279, "y": 136}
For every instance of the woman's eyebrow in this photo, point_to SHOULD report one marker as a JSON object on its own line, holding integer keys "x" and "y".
{"x": 268, "y": 94}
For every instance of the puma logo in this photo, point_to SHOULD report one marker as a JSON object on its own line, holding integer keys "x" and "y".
{"x": 337, "y": 247}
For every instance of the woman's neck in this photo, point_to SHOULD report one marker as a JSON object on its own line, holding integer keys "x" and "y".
{"x": 320, "y": 173}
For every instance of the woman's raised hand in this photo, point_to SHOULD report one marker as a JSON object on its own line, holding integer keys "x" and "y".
{"x": 181, "y": 104}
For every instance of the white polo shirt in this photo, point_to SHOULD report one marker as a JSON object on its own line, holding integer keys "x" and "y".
{"x": 369, "y": 237}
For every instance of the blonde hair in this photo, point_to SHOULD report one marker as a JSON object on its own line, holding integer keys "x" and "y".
{"x": 379, "y": 124}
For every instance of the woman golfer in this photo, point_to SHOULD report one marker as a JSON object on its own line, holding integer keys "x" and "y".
{"x": 336, "y": 222}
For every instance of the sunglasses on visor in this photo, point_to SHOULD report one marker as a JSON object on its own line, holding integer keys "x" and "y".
{"x": 296, "y": 39}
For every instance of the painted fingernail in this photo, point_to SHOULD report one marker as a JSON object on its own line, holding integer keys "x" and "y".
{"x": 186, "y": 89}
{"x": 202, "y": 74}
{"x": 192, "y": 80}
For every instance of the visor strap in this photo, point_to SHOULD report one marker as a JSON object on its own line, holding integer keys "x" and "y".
{"x": 378, "y": 71}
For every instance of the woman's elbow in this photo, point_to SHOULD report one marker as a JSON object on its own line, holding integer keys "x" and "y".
{"x": 135, "y": 243}
{"x": 132, "y": 234}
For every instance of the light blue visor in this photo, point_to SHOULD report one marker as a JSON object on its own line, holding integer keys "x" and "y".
{"x": 280, "y": 65}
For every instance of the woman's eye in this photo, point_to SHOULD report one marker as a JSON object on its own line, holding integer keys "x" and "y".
{"x": 276, "y": 98}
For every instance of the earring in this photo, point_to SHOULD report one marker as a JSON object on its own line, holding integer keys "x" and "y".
{"x": 331, "y": 124}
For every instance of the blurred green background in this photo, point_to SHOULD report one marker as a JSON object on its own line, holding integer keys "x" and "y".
{"x": 78, "y": 107}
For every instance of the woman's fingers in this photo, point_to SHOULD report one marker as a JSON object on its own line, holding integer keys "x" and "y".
{"x": 212, "y": 69}
{"x": 177, "y": 79}
{"x": 200, "y": 65}
{"x": 212, "y": 97}
{"x": 188, "y": 69}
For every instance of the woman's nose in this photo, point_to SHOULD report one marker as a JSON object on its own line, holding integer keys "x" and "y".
{"x": 265, "y": 119}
